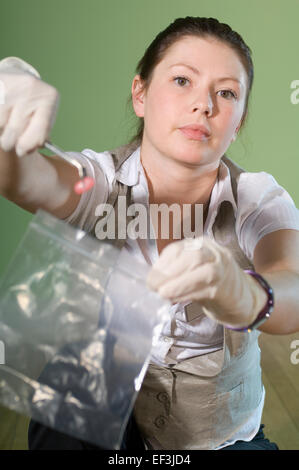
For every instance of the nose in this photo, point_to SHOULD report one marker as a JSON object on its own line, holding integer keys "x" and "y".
{"x": 203, "y": 103}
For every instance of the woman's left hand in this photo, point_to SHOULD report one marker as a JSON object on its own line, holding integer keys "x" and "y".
{"x": 204, "y": 271}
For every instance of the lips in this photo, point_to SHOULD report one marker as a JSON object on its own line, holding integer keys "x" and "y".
{"x": 195, "y": 132}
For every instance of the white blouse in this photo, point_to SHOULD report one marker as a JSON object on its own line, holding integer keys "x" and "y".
{"x": 263, "y": 207}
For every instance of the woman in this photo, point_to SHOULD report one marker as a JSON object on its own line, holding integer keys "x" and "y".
{"x": 203, "y": 388}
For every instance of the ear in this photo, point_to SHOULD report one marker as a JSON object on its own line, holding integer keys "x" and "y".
{"x": 138, "y": 96}
{"x": 235, "y": 134}
{"x": 238, "y": 128}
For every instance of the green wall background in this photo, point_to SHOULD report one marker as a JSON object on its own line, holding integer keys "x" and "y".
{"x": 88, "y": 49}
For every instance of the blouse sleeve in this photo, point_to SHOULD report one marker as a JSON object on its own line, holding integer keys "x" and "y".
{"x": 84, "y": 216}
{"x": 263, "y": 207}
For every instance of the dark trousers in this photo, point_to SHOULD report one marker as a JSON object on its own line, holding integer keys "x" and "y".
{"x": 41, "y": 437}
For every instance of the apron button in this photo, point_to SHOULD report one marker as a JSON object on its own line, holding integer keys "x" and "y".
{"x": 160, "y": 421}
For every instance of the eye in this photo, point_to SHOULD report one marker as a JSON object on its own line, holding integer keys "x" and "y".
{"x": 181, "y": 81}
{"x": 232, "y": 93}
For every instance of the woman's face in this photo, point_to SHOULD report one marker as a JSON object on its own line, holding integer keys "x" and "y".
{"x": 199, "y": 82}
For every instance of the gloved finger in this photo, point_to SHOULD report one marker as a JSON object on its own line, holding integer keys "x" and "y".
{"x": 177, "y": 261}
{"x": 4, "y": 116}
{"x": 200, "y": 284}
{"x": 177, "y": 250}
{"x": 182, "y": 266}
{"x": 36, "y": 132}
{"x": 200, "y": 249}
{"x": 160, "y": 270}
{"x": 169, "y": 252}
{"x": 17, "y": 122}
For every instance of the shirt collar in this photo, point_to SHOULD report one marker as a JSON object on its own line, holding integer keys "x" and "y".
{"x": 222, "y": 190}
{"x": 130, "y": 170}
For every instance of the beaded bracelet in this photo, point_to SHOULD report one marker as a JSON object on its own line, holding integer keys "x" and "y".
{"x": 266, "y": 311}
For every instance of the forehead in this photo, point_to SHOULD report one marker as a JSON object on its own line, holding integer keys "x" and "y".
{"x": 204, "y": 54}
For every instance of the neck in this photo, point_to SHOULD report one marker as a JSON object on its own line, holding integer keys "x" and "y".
{"x": 172, "y": 181}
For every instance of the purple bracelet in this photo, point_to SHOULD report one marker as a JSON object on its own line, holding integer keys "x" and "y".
{"x": 266, "y": 311}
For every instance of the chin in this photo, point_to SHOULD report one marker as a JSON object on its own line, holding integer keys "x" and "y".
{"x": 189, "y": 154}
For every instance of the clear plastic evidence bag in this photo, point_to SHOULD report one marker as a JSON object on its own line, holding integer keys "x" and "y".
{"x": 77, "y": 325}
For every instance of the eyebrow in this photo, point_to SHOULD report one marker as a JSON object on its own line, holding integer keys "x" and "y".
{"x": 222, "y": 79}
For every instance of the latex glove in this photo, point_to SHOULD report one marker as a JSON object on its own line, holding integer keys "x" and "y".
{"x": 29, "y": 107}
{"x": 209, "y": 274}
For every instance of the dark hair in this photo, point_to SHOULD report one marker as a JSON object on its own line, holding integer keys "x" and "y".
{"x": 193, "y": 26}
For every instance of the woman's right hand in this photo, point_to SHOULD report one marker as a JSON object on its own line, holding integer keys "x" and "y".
{"x": 28, "y": 107}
